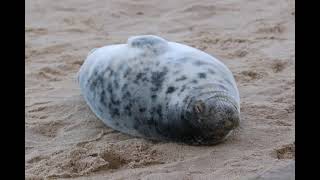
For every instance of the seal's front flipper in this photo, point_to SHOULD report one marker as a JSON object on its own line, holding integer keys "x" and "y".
{"x": 92, "y": 50}
{"x": 154, "y": 44}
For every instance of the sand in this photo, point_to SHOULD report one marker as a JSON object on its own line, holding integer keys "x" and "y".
{"x": 65, "y": 140}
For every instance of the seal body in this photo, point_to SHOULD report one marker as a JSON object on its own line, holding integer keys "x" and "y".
{"x": 161, "y": 90}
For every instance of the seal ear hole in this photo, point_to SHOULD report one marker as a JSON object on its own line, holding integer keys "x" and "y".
{"x": 199, "y": 107}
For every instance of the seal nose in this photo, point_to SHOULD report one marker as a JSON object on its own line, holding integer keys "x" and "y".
{"x": 225, "y": 113}
{"x": 217, "y": 114}
{"x": 231, "y": 122}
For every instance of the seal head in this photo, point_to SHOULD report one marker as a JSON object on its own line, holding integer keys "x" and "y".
{"x": 213, "y": 119}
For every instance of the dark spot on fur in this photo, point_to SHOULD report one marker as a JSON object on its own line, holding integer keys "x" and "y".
{"x": 211, "y": 71}
{"x": 114, "y": 101}
{"x": 142, "y": 109}
{"x": 157, "y": 79}
{"x": 152, "y": 111}
{"x": 117, "y": 124}
{"x": 200, "y": 63}
{"x": 145, "y": 79}
{"x": 124, "y": 87}
{"x": 128, "y": 109}
{"x": 156, "y": 115}
{"x": 144, "y": 42}
{"x": 113, "y": 110}
{"x": 96, "y": 83}
{"x": 110, "y": 70}
{"x": 99, "y": 109}
{"x": 185, "y": 100}
{"x": 136, "y": 125}
{"x": 183, "y": 88}
{"x": 126, "y": 95}
{"x": 95, "y": 80}
{"x": 181, "y": 78}
{"x": 140, "y": 76}
{"x": 167, "y": 105}
{"x": 135, "y": 43}
{"x": 93, "y": 84}
{"x": 116, "y": 112}
{"x": 202, "y": 75}
{"x": 143, "y": 55}
{"x": 151, "y": 120}
{"x": 155, "y": 51}
{"x": 121, "y": 67}
{"x": 109, "y": 88}
{"x": 170, "y": 89}
{"x": 194, "y": 81}
{"x": 103, "y": 98}
{"x": 154, "y": 96}
{"x": 126, "y": 73}
{"x": 176, "y": 72}
{"x": 159, "y": 111}
{"x": 184, "y": 59}
{"x": 116, "y": 84}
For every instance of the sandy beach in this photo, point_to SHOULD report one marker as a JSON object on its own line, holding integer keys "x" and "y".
{"x": 65, "y": 140}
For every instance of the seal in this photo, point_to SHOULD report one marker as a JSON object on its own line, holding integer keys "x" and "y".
{"x": 161, "y": 90}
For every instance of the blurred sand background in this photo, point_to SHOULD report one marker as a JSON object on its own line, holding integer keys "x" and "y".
{"x": 64, "y": 139}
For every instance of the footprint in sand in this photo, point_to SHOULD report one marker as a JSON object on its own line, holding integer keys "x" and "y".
{"x": 285, "y": 152}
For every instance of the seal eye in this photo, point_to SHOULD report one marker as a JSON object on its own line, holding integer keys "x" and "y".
{"x": 199, "y": 107}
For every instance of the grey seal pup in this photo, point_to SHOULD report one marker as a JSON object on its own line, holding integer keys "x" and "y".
{"x": 161, "y": 90}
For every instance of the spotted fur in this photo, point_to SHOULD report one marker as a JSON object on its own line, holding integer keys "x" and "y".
{"x": 161, "y": 90}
